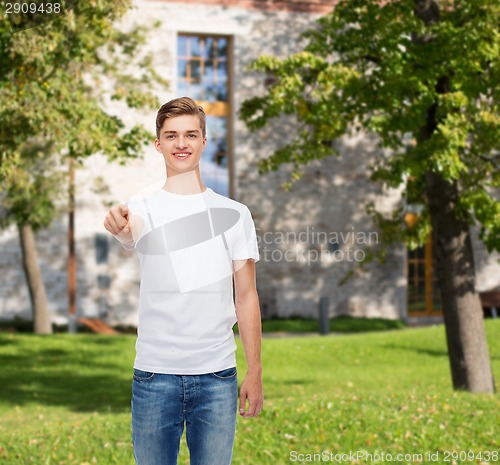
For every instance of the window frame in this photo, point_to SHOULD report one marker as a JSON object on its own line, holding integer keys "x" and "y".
{"x": 428, "y": 277}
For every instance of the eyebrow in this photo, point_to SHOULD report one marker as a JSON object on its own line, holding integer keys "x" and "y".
{"x": 191, "y": 131}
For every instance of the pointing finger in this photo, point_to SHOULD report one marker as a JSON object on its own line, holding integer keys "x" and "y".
{"x": 124, "y": 211}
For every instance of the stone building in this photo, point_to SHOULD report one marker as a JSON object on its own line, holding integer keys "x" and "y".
{"x": 309, "y": 238}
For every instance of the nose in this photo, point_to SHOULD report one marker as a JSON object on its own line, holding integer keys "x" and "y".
{"x": 181, "y": 142}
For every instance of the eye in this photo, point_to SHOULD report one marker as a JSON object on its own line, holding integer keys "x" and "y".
{"x": 192, "y": 136}
{"x": 170, "y": 136}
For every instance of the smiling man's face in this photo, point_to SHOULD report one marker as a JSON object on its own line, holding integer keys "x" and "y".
{"x": 181, "y": 143}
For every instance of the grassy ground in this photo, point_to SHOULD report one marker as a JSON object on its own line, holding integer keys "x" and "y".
{"x": 341, "y": 324}
{"x": 66, "y": 400}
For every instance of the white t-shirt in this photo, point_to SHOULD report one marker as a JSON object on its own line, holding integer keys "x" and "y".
{"x": 186, "y": 250}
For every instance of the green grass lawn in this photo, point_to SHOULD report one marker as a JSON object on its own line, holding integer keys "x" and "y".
{"x": 340, "y": 324}
{"x": 66, "y": 400}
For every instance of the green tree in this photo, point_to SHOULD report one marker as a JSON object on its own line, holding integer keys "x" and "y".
{"x": 427, "y": 70}
{"x": 52, "y": 80}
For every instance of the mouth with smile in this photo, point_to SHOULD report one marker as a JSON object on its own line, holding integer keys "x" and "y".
{"x": 181, "y": 155}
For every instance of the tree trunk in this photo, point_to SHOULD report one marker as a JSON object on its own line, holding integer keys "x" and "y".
{"x": 463, "y": 315}
{"x": 41, "y": 316}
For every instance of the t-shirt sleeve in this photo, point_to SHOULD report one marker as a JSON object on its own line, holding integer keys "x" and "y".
{"x": 245, "y": 244}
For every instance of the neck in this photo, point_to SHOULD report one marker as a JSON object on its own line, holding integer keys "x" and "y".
{"x": 184, "y": 183}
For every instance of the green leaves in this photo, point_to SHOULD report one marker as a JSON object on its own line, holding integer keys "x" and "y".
{"x": 487, "y": 213}
{"x": 31, "y": 195}
{"x": 52, "y": 83}
{"x": 380, "y": 67}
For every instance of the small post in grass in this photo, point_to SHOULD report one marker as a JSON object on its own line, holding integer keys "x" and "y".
{"x": 324, "y": 322}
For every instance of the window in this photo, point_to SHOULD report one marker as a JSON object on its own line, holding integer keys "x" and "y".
{"x": 203, "y": 74}
{"x": 423, "y": 290}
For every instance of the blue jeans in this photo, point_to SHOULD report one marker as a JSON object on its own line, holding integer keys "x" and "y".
{"x": 162, "y": 403}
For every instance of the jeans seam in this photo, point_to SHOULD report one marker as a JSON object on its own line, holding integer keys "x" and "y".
{"x": 225, "y": 377}
{"x": 139, "y": 379}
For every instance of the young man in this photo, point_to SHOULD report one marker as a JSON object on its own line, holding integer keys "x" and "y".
{"x": 191, "y": 243}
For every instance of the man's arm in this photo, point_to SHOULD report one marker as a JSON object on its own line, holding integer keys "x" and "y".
{"x": 249, "y": 325}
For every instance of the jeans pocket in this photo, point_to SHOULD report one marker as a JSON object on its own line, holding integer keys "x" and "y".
{"x": 140, "y": 375}
{"x": 228, "y": 373}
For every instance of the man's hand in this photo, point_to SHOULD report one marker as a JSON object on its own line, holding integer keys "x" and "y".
{"x": 251, "y": 390}
{"x": 117, "y": 223}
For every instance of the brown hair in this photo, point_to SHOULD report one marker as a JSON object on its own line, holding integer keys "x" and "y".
{"x": 180, "y": 107}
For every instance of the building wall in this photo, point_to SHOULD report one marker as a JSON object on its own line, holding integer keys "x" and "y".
{"x": 296, "y": 266}
{"x": 303, "y": 6}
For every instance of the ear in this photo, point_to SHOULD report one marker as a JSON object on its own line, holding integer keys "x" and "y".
{"x": 157, "y": 145}
{"x": 204, "y": 142}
